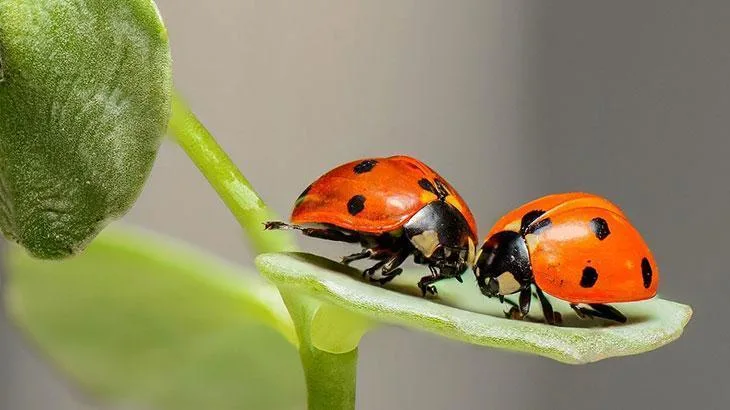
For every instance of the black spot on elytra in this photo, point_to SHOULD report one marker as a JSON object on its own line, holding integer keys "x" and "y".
{"x": 589, "y": 278}
{"x": 529, "y": 218}
{"x": 646, "y": 272}
{"x": 356, "y": 204}
{"x": 365, "y": 166}
{"x": 599, "y": 226}
{"x": 539, "y": 226}
{"x": 427, "y": 185}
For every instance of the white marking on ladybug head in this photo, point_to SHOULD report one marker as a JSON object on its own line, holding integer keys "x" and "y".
{"x": 471, "y": 255}
{"x": 507, "y": 283}
{"x": 426, "y": 243}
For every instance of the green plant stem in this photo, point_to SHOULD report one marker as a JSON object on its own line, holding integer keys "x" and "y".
{"x": 233, "y": 188}
{"x": 330, "y": 377}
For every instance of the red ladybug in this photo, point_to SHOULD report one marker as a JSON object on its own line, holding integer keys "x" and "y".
{"x": 578, "y": 247}
{"x": 394, "y": 207}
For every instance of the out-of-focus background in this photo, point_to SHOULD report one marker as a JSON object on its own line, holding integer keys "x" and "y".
{"x": 509, "y": 100}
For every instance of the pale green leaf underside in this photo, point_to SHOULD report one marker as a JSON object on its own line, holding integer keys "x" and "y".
{"x": 460, "y": 312}
{"x": 140, "y": 322}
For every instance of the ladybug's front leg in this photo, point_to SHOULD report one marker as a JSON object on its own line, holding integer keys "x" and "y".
{"x": 519, "y": 312}
{"x": 426, "y": 282}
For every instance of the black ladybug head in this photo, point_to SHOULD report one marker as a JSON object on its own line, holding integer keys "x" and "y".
{"x": 503, "y": 266}
{"x": 441, "y": 237}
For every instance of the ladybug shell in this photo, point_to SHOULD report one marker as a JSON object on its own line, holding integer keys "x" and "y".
{"x": 513, "y": 219}
{"x": 583, "y": 249}
{"x": 374, "y": 195}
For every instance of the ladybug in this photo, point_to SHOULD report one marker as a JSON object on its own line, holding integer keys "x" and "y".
{"x": 394, "y": 207}
{"x": 577, "y": 247}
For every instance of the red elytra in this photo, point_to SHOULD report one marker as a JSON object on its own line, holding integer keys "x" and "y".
{"x": 390, "y": 186}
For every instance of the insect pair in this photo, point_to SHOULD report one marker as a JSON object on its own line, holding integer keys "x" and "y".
{"x": 577, "y": 247}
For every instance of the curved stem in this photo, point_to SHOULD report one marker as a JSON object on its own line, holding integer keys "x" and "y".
{"x": 233, "y": 188}
{"x": 330, "y": 377}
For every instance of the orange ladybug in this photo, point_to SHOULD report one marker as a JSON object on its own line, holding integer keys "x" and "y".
{"x": 577, "y": 247}
{"x": 394, "y": 207}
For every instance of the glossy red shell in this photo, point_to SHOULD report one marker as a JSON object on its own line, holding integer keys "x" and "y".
{"x": 390, "y": 193}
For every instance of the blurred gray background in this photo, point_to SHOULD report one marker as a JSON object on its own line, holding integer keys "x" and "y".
{"x": 509, "y": 100}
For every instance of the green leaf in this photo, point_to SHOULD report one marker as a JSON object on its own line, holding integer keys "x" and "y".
{"x": 85, "y": 89}
{"x": 138, "y": 321}
{"x": 461, "y": 312}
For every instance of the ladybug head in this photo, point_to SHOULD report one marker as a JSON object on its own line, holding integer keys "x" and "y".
{"x": 441, "y": 238}
{"x": 503, "y": 266}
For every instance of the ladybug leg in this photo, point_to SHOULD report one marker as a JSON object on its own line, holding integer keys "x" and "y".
{"x": 426, "y": 282}
{"x": 371, "y": 270}
{"x": 551, "y": 317}
{"x": 366, "y": 253}
{"x": 321, "y": 233}
{"x": 599, "y": 310}
{"x": 520, "y": 312}
{"x": 512, "y": 304}
{"x": 525, "y": 299}
{"x": 608, "y": 312}
{"x": 582, "y": 313}
{"x": 514, "y": 310}
{"x": 391, "y": 268}
{"x": 389, "y": 276}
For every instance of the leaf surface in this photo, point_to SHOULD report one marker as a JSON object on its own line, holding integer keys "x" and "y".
{"x": 138, "y": 321}
{"x": 461, "y": 312}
